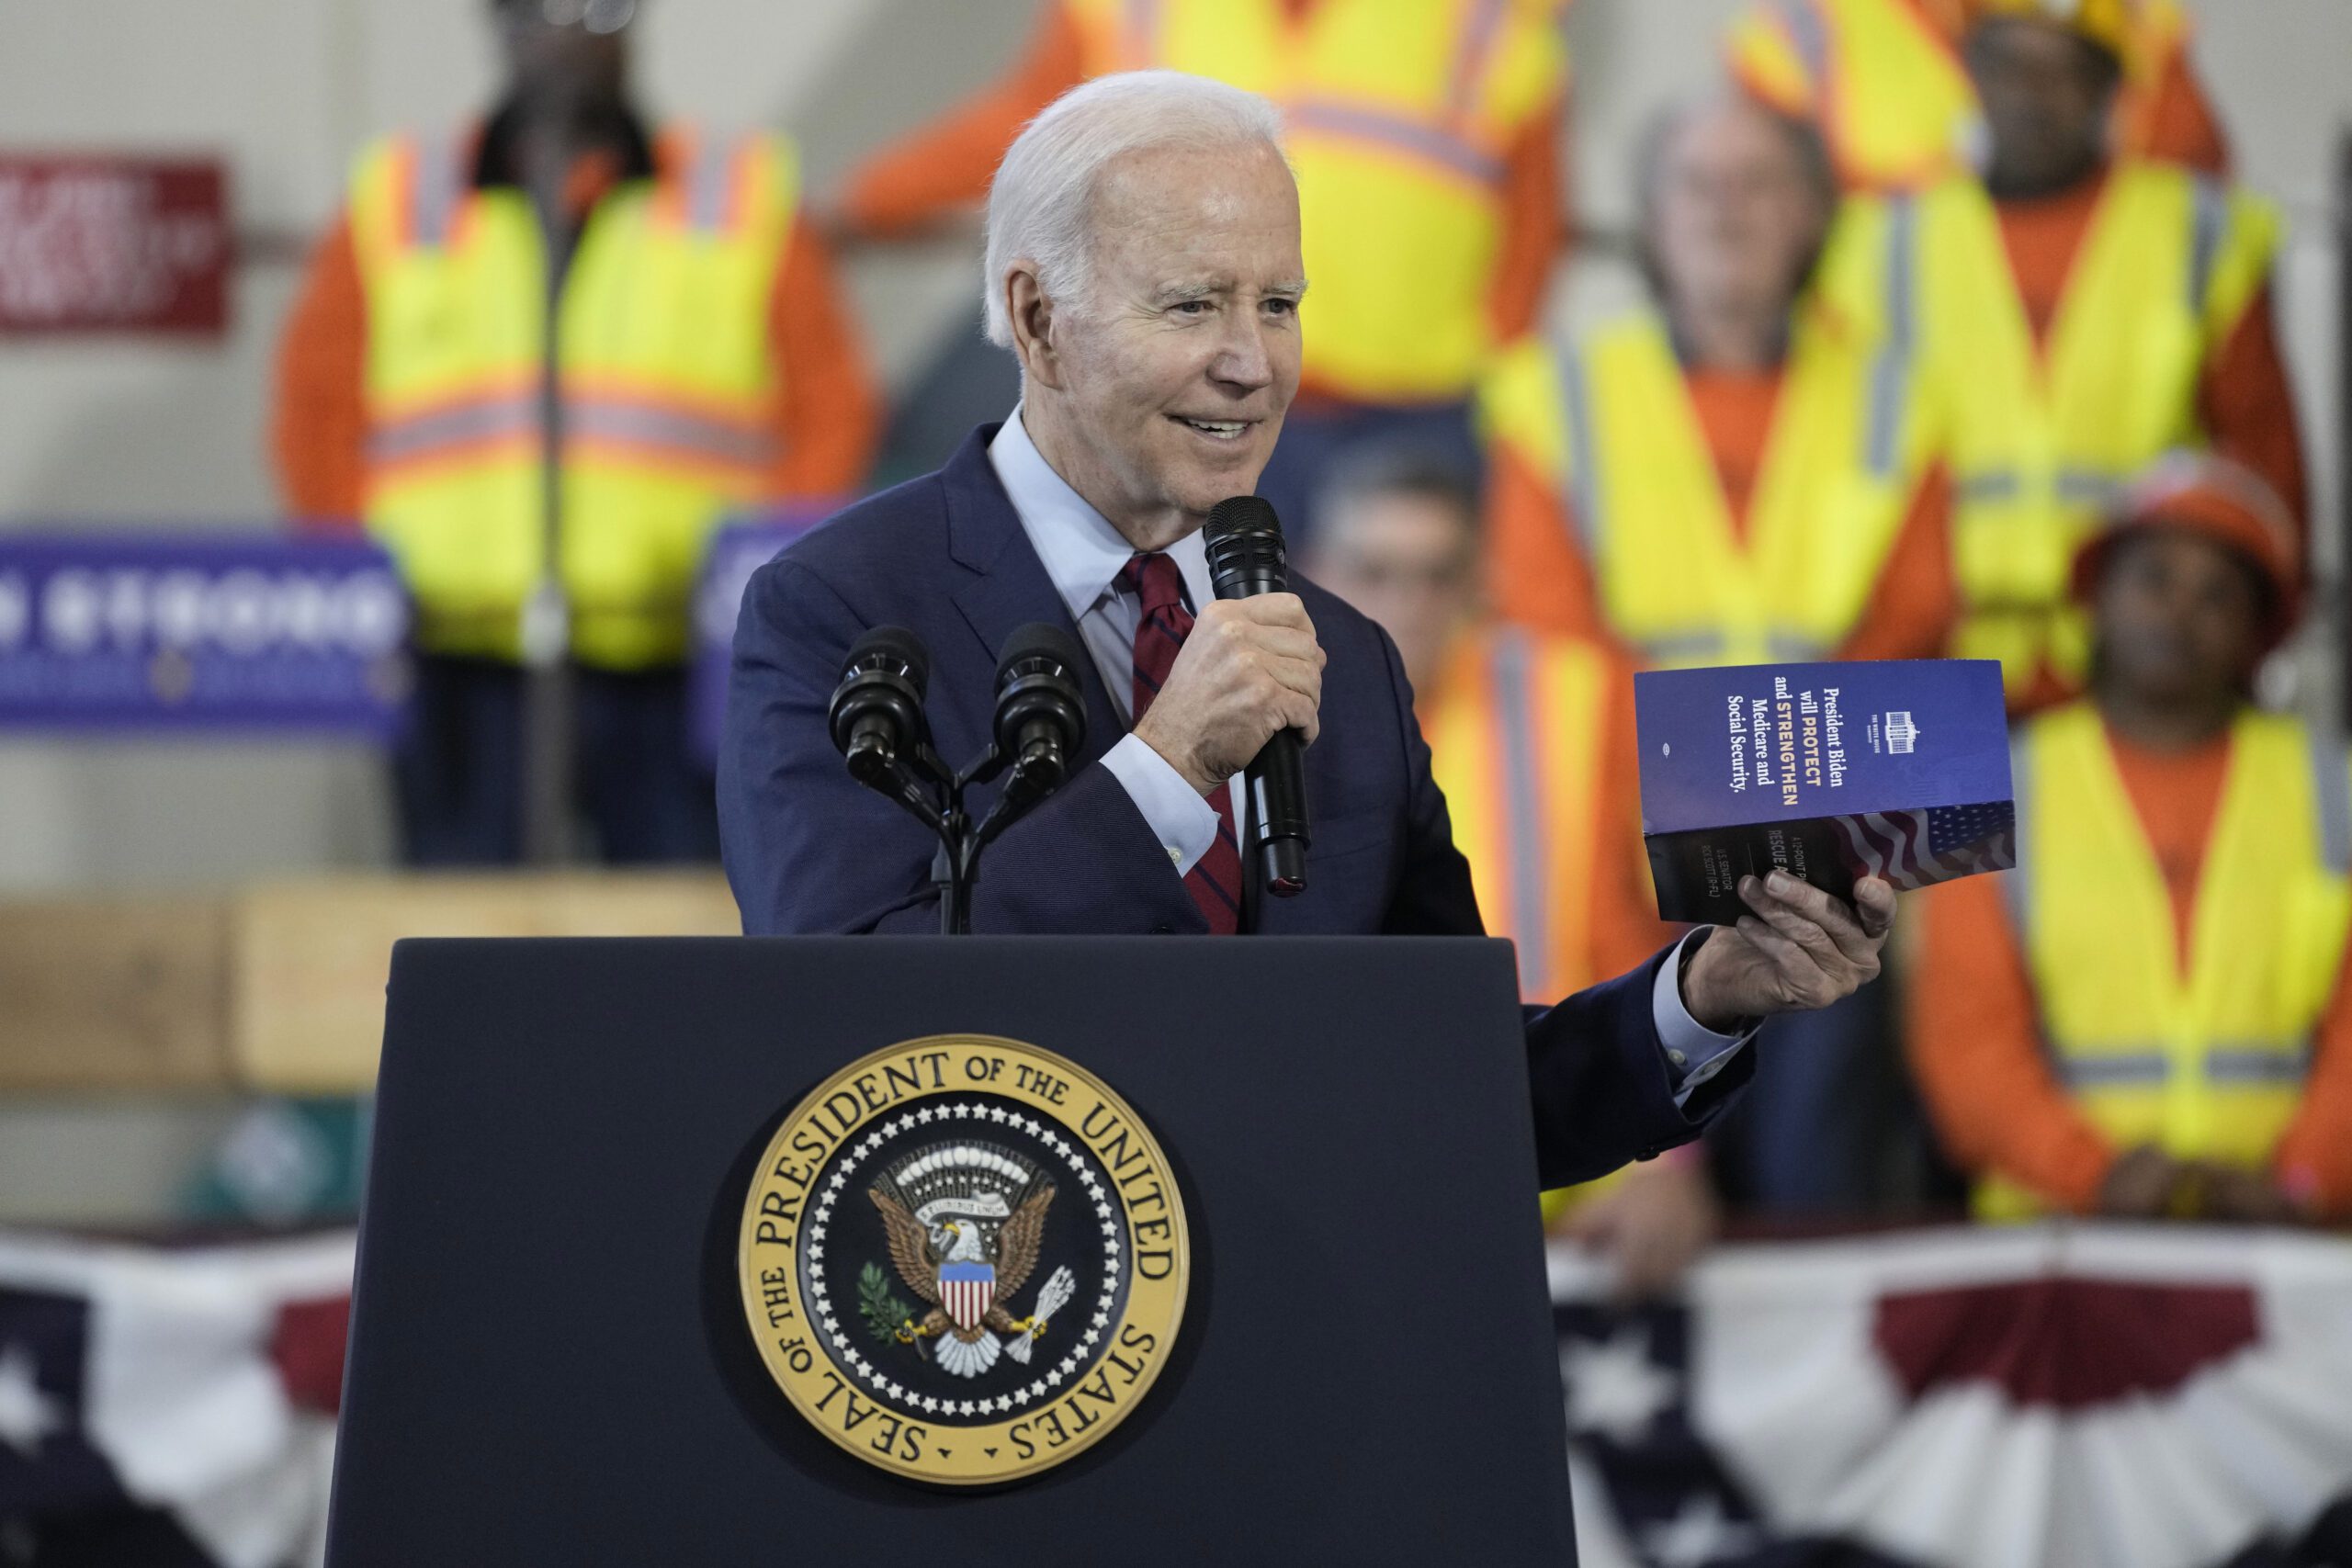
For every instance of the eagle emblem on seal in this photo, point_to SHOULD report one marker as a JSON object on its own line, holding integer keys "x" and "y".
{"x": 965, "y": 1221}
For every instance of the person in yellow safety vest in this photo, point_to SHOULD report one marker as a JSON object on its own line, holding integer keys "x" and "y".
{"x": 2064, "y": 321}
{"x": 1884, "y": 82}
{"x": 2150, "y": 1017}
{"x": 1426, "y": 137}
{"x": 1726, "y": 478}
{"x": 1531, "y": 741}
{"x": 559, "y": 298}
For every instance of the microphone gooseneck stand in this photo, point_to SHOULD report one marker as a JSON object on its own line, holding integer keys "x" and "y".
{"x": 877, "y": 721}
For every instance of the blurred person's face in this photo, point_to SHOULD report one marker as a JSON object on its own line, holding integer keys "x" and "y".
{"x": 1407, "y": 558}
{"x": 2045, "y": 90}
{"x": 566, "y": 55}
{"x": 2179, "y": 621}
{"x": 1735, "y": 221}
{"x": 1161, "y": 393}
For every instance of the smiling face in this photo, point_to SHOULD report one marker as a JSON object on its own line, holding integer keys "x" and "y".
{"x": 1161, "y": 391}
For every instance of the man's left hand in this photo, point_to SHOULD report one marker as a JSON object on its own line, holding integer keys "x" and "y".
{"x": 1801, "y": 949}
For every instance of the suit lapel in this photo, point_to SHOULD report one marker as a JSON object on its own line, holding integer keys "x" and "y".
{"x": 1008, "y": 587}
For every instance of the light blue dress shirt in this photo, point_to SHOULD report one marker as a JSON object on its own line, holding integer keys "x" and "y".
{"x": 1083, "y": 556}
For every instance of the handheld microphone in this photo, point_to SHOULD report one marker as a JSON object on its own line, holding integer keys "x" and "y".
{"x": 1245, "y": 558}
{"x": 1040, "y": 715}
{"x": 876, "y": 711}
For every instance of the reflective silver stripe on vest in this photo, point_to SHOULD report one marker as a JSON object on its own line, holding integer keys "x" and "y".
{"x": 2210, "y": 211}
{"x": 1141, "y": 25}
{"x": 645, "y": 426}
{"x": 1680, "y": 647}
{"x": 466, "y": 424}
{"x": 2114, "y": 1069}
{"x": 1531, "y": 859}
{"x": 518, "y": 414}
{"x": 435, "y": 191}
{"x": 2234, "y": 1063}
{"x": 1810, "y": 35}
{"x": 2016, "y": 885}
{"x": 1584, "y": 484}
{"x": 2085, "y": 488}
{"x": 1470, "y": 56}
{"x": 708, "y": 185}
{"x": 2332, "y": 794}
{"x": 2082, "y": 487}
{"x": 1993, "y": 485}
{"x": 2256, "y": 1065}
{"x": 1889, "y": 377}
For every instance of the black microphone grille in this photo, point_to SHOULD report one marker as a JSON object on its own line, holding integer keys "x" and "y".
{"x": 892, "y": 646}
{"x": 1244, "y": 543}
{"x": 1037, "y": 641}
{"x": 1242, "y": 515}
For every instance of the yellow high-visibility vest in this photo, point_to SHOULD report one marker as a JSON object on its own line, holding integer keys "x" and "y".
{"x": 1885, "y": 84}
{"x": 2210, "y": 1064}
{"x": 1608, "y": 422}
{"x": 2039, "y": 443}
{"x": 1399, "y": 117}
{"x": 1516, "y": 746}
{"x": 1880, "y": 79}
{"x": 662, "y": 393}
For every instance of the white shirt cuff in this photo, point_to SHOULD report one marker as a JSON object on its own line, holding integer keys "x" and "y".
{"x": 1693, "y": 1053}
{"x": 1183, "y": 821}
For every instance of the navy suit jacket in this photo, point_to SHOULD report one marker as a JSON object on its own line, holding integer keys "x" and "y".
{"x": 810, "y": 851}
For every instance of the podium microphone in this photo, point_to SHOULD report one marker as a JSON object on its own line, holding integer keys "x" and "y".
{"x": 1245, "y": 558}
{"x": 1040, "y": 715}
{"x": 876, "y": 711}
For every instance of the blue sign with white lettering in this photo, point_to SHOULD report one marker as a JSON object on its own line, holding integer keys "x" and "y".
{"x": 201, "y": 632}
{"x": 736, "y": 552}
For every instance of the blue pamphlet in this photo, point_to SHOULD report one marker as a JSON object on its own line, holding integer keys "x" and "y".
{"x": 1897, "y": 768}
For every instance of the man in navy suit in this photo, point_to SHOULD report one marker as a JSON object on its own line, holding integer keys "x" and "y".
{"x": 1143, "y": 264}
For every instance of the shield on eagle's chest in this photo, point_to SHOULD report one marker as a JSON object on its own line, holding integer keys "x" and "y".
{"x": 966, "y": 1290}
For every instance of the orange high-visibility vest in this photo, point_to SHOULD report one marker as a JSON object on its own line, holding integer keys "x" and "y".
{"x": 1400, "y": 115}
{"x": 2208, "y": 1064}
{"x": 662, "y": 388}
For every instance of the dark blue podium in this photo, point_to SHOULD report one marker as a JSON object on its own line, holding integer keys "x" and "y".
{"x": 551, "y": 1362}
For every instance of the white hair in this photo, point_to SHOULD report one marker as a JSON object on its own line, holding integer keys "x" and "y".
{"x": 1040, "y": 199}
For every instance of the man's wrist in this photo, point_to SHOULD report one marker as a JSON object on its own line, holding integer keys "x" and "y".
{"x": 1698, "y": 997}
{"x": 1176, "y": 757}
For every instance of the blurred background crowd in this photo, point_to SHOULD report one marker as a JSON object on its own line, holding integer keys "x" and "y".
{"x": 1642, "y": 336}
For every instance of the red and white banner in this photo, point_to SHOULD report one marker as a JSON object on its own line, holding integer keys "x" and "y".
{"x": 168, "y": 1405}
{"x": 2067, "y": 1397}
{"x": 2058, "y": 1397}
{"x": 99, "y": 243}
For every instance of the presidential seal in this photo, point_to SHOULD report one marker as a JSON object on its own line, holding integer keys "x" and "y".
{"x": 964, "y": 1259}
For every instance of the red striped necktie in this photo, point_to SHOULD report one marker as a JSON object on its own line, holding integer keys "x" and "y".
{"x": 1214, "y": 881}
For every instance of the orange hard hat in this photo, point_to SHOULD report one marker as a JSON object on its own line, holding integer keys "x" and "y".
{"x": 2219, "y": 500}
